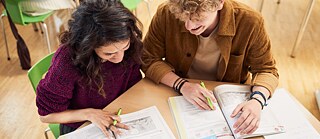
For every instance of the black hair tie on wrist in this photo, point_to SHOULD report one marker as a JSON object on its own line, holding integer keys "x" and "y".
{"x": 261, "y": 94}
{"x": 175, "y": 83}
{"x": 180, "y": 85}
{"x": 258, "y": 101}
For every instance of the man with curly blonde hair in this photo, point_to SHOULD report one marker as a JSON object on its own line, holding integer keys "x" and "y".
{"x": 218, "y": 40}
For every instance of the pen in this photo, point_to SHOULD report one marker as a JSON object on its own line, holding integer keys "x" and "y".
{"x": 113, "y": 134}
{"x": 119, "y": 112}
{"x": 208, "y": 99}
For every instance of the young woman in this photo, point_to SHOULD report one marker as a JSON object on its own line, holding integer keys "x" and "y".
{"x": 98, "y": 60}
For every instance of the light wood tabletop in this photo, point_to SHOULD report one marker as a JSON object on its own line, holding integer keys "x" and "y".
{"x": 146, "y": 93}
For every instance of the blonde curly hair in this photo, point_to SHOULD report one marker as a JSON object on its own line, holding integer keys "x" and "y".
{"x": 192, "y": 9}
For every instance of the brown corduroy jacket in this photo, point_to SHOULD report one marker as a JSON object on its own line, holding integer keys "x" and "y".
{"x": 244, "y": 44}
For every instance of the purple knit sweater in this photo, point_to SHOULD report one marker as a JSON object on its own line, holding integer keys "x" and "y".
{"x": 62, "y": 88}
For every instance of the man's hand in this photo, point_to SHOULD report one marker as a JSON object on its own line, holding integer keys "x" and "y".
{"x": 249, "y": 119}
{"x": 196, "y": 95}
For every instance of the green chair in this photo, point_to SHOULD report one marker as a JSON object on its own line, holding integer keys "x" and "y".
{"x": 132, "y": 5}
{"x": 35, "y": 74}
{"x": 18, "y": 17}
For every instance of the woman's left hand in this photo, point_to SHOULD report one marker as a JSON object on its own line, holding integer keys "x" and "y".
{"x": 249, "y": 118}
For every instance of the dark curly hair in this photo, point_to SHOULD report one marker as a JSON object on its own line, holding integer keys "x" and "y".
{"x": 94, "y": 24}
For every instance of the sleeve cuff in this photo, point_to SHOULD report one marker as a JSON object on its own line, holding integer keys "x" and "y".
{"x": 266, "y": 80}
{"x": 158, "y": 70}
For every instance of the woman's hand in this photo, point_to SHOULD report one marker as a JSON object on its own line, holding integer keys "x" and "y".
{"x": 249, "y": 118}
{"x": 196, "y": 95}
{"x": 104, "y": 120}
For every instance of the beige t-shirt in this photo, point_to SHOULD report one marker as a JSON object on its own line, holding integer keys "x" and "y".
{"x": 206, "y": 60}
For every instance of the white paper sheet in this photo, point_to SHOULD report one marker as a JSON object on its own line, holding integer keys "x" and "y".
{"x": 287, "y": 111}
{"x": 229, "y": 96}
{"x": 144, "y": 124}
{"x": 194, "y": 123}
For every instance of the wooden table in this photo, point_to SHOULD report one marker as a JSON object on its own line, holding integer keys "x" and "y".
{"x": 146, "y": 93}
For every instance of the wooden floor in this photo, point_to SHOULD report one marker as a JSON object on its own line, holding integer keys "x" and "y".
{"x": 300, "y": 75}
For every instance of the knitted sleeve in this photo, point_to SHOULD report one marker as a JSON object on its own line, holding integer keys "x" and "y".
{"x": 56, "y": 89}
{"x": 135, "y": 75}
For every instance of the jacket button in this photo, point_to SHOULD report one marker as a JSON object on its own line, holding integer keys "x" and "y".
{"x": 188, "y": 54}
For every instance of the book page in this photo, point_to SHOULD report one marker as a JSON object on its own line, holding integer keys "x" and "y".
{"x": 193, "y": 123}
{"x": 229, "y": 96}
{"x": 144, "y": 124}
{"x": 289, "y": 114}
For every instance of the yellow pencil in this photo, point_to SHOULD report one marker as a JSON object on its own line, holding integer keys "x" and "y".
{"x": 119, "y": 112}
{"x": 208, "y": 99}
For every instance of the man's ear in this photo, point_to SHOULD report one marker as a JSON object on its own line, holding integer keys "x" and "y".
{"x": 220, "y": 5}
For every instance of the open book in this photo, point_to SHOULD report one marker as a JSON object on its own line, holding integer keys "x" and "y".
{"x": 193, "y": 123}
{"x": 144, "y": 124}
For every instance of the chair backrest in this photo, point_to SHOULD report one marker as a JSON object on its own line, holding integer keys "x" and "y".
{"x": 36, "y": 72}
{"x": 15, "y": 11}
{"x": 131, "y": 4}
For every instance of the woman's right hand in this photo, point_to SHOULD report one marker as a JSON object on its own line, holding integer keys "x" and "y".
{"x": 196, "y": 95}
{"x": 104, "y": 120}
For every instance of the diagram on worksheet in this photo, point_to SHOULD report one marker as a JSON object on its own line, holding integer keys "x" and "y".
{"x": 139, "y": 126}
